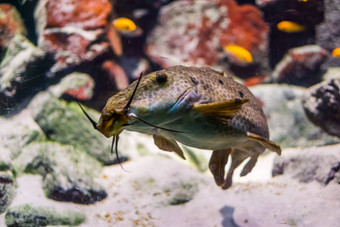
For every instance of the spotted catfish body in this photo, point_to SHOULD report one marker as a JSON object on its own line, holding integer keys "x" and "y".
{"x": 198, "y": 107}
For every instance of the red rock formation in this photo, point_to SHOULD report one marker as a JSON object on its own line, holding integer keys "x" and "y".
{"x": 90, "y": 14}
{"x": 196, "y": 32}
{"x": 116, "y": 73}
{"x": 73, "y": 30}
{"x": 246, "y": 28}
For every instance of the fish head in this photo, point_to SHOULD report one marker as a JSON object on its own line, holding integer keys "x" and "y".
{"x": 112, "y": 122}
{"x": 150, "y": 100}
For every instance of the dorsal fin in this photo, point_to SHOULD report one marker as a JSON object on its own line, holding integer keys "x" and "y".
{"x": 221, "y": 111}
{"x": 265, "y": 142}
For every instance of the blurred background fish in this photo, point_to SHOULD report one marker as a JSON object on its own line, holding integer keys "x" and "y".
{"x": 290, "y": 27}
{"x": 127, "y": 27}
{"x": 240, "y": 52}
{"x": 336, "y": 53}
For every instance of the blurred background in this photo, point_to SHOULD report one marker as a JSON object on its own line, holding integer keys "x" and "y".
{"x": 287, "y": 52}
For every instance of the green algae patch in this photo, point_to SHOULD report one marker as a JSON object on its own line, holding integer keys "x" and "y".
{"x": 28, "y": 215}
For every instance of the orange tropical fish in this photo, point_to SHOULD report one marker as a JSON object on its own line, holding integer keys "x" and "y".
{"x": 126, "y": 27}
{"x": 290, "y": 27}
{"x": 238, "y": 51}
{"x": 253, "y": 81}
{"x": 336, "y": 53}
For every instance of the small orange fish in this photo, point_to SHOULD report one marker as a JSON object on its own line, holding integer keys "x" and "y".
{"x": 253, "y": 81}
{"x": 290, "y": 27}
{"x": 336, "y": 53}
{"x": 238, "y": 51}
{"x": 126, "y": 27}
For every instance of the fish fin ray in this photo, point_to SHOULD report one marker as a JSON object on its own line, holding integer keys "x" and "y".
{"x": 265, "y": 142}
{"x": 217, "y": 163}
{"x": 168, "y": 144}
{"x": 221, "y": 111}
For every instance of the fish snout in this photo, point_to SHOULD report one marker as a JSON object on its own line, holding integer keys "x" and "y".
{"x": 105, "y": 127}
{"x": 113, "y": 125}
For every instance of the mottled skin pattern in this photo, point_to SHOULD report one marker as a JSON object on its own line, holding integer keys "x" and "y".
{"x": 171, "y": 98}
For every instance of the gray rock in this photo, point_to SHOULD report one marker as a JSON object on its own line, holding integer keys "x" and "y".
{"x": 288, "y": 124}
{"x": 322, "y": 105}
{"x": 327, "y": 33}
{"x": 76, "y": 84}
{"x": 300, "y": 66}
{"x": 15, "y": 133}
{"x": 178, "y": 186}
{"x": 28, "y": 215}
{"x": 7, "y": 189}
{"x": 321, "y": 164}
{"x": 67, "y": 172}
{"x": 18, "y": 66}
{"x": 65, "y": 123}
{"x": 332, "y": 73}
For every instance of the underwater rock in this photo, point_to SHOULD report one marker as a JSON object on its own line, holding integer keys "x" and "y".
{"x": 73, "y": 31}
{"x": 300, "y": 66}
{"x": 18, "y": 69}
{"x": 65, "y": 123}
{"x": 331, "y": 73}
{"x": 288, "y": 124}
{"x": 327, "y": 33}
{"x": 15, "y": 133}
{"x": 29, "y": 215}
{"x": 321, "y": 164}
{"x": 134, "y": 66}
{"x": 78, "y": 85}
{"x": 322, "y": 105}
{"x": 197, "y": 33}
{"x": 116, "y": 74}
{"x": 7, "y": 189}
{"x": 67, "y": 172}
{"x": 11, "y": 24}
{"x": 166, "y": 181}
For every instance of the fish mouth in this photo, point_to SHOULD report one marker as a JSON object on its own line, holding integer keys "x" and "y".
{"x": 112, "y": 126}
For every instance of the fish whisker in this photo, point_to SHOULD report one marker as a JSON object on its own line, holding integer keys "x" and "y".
{"x": 127, "y": 106}
{"x": 88, "y": 117}
{"x": 155, "y": 126}
{"x": 115, "y": 144}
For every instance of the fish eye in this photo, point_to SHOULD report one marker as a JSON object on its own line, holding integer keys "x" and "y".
{"x": 161, "y": 77}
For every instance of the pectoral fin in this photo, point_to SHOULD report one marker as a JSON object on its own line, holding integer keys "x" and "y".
{"x": 167, "y": 144}
{"x": 222, "y": 111}
{"x": 265, "y": 142}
